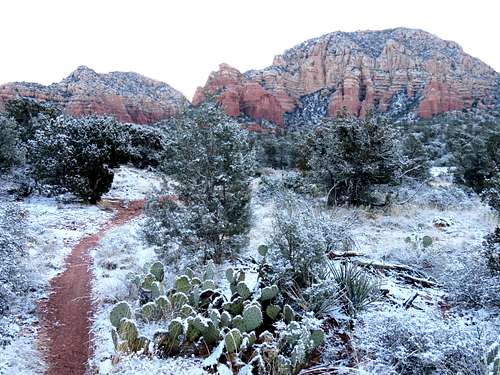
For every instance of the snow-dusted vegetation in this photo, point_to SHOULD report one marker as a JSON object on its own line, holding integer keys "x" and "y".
{"x": 340, "y": 248}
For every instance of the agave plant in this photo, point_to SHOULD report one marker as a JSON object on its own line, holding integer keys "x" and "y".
{"x": 356, "y": 287}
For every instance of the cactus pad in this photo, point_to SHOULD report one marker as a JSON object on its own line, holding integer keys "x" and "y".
{"x": 119, "y": 311}
{"x": 252, "y": 316}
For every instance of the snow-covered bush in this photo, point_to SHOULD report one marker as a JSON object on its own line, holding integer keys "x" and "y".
{"x": 25, "y": 111}
{"x": 470, "y": 283}
{"x": 13, "y": 280}
{"x": 478, "y": 161}
{"x": 142, "y": 145}
{"x": 492, "y": 250}
{"x": 11, "y": 150}
{"x": 399, "y": 341}
{"x": 303, "y": 236}
{"x": 75, "y": 154}
{"x": 415, "y": 157}
{"x": 350, "y": 155}
{"x": 211, "y": 160}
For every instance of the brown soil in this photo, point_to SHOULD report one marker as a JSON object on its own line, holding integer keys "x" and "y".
{"x": 64, "y": 337}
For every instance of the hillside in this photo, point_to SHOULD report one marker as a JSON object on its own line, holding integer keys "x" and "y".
{"x": 129, "y": 97}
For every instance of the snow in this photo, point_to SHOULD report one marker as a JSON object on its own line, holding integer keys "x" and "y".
{"x": 53, "y": 228}
{"x": 132, "y": 184}
{"x": 121, "y": 254}
{"x": 262, "y": 219}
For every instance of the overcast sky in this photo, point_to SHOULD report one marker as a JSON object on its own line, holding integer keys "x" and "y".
{"x": 181, "y": 42}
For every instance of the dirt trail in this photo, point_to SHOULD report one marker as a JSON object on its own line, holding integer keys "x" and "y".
{"x": 64, "y": 337}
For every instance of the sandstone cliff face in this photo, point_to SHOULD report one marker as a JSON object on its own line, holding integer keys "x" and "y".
{"x": 129, "y": 97}
{"x": 360, "y": 71}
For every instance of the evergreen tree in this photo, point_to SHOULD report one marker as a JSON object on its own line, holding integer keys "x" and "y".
{"x": 25, "y": 110}
{"x": 212, "y": 161}
{"x": 349, "y": 155}
{"x": 11, "y": 150}
{"x": 75, "y": 154}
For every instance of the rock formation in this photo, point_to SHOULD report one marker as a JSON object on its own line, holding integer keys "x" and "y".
{"x": 129, "y": 97}
{"x": 359, "y": 72}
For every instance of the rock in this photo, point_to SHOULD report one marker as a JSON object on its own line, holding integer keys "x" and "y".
{"x": 238, "y": 96}
{"x": 129, "y": 97}
{"x": 360, "y": 71}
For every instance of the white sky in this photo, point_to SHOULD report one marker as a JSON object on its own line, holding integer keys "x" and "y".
{"x": 181, "y": 42}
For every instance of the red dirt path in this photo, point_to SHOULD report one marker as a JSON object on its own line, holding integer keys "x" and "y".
{"x": 64, "y": 337}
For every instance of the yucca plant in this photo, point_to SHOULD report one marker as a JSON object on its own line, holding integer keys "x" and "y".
{"x": 356, "y": 288}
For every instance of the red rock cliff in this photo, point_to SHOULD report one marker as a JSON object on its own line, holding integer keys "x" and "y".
{"x": 129, "y": 97}
{"x": 363, "y": 71}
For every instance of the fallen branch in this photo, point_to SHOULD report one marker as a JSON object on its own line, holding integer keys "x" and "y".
{"x": 407, "y": 304}
{"x": 403, "y": 270}
{"x": 345, "y": 254}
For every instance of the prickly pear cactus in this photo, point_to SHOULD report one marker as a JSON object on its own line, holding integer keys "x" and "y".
{"x": 119, "y": 311}
{"x": 158, "y": 271}
{"x": 211, "y": 333}
{"x": 230, "y": 275}
{"x": 148, "y": 281}
{"x": 225, "y": 319}
{"x": 273, "y": 311}
{"x": 252, "y": 316}
{"x": 163, "y": 305}
{"x": 156, "y": 290}
{"x": 178, "y": 300}
{"x": 234, "y": 307}
{"x": 269, "y": 292}
{"x": 183, "y": 284}
{"x": 426, "y": 241}
{"x": 128, "y": 330}
{"x": 317, "y": 337}
{"x": 288, "y": 314}
{"x": 233, "y": 340}
{"x": 150, "y": 312}
{"x": 263, "y": 250}
{"x": 209, "y": 271}
{"x": 243, "y": 290}
{"x": 239, "y": 323}
{"x": 492, "y": 360}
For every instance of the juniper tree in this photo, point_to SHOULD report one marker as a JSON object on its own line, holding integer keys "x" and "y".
{"x": 11, "y": 150}
{"x": 75, "y": 154}
{"x": 349, "y": 155}
{"x": 25, "y": 110}
{"x": 211, "y": 160}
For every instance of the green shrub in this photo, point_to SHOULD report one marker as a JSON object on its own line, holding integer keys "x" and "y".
{"x": 75, "y": 154}
{"x": 11, "y": 149}
{"x": 356, "y": 287}
{"x": 349, "y": 155}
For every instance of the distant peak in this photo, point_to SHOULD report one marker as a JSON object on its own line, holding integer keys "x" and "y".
{"x": 81, "y": 73}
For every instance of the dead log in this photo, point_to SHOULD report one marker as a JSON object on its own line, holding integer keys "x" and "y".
{"x": 345, "y": 254}
{"x": 407, "y": 304}
{"x": 408, "y": 273}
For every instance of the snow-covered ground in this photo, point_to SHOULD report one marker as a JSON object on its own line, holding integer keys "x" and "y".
{"x": 131, "y": 183}
{"x": 53, "y": 228}
{"x": 122, "y": 254}
{"x": 456, "y": 222}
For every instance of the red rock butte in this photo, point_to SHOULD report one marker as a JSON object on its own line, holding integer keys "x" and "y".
{"x": 129, "y": 97}
{"x": 390, "y": 70}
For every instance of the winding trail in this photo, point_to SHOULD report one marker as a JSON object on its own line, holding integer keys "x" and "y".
{"x": 64, "y": 337}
